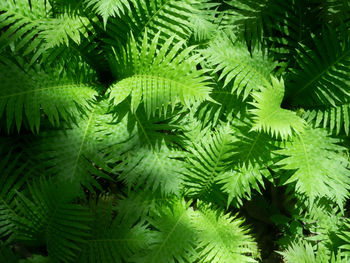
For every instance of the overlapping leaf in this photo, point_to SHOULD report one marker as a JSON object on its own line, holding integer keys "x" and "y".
{"x": 158, "y": 78}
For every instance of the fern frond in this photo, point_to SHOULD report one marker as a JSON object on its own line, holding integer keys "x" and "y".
{"x": 209, "y": 158}
{"x": 12, "y": 178}
{"x": 336, "y": 119}
{"x": 33, "y": 30}
{"x": 222, "y": 238}
{"x": 75, "y": 154}
{"x": 171, "y": 17}
{"x": 304, "y": 252}
{"x": 223, "y": 105}
{"x": 270, "y": 117}
{"x": 254, "y": 19}
{"x": 240, "y": 182}
{"x": 288, "y": 26}
{"x": 139, "y": 205}
{"x": 112, "y": 240}
{"x": 242, "y": 71}
{"x": 320, "y": 168}
{"x": 109, "y": 8}
{"x": 25, "y": 92}
{"x": 252, "y": 153}
{"x": 158, "y": 78}
{"x": 322, "y": 75}
{"x": 325, "y": 221}
{"x": 173, "y": 236}
{"x": 251, "y": 148}
{"x": 49, "y": 214}
{"x": 153, "y": 169}
{"x": 345, "y": 236}
{"x": 336, "y": 12}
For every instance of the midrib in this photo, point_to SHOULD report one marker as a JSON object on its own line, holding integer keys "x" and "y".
{"x": 167, "y": 237}
{"x": 322, "y": 72}
{"x": 83, "y": 141}
{"x": 38, "y": 90}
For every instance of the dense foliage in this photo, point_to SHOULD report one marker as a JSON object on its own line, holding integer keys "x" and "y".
{"x": 173, "y": 131}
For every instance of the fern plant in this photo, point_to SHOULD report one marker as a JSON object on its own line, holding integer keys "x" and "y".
{"x": 174, "y": 131}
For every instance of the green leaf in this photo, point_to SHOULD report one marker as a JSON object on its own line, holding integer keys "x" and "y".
{"x": 108, "y": 8}
{"x": 153, "y": 169}
{"x": 33, "y": 30}
{"x": 13, "y": 175}
{"x": 240, "y": 182}
{"x": 49, "y": 214}
{"x": 242, "y": 71}
{"x": 321, "y": 79}
{"x": 251, "y": 148}
{"x": 304, "y": 252}
{"x": 170, "y": 17}
{"x": 75, "y": 154}
{"x": 320, "y": 169}
{"x": 174, "y": 236}
{"x": 270, "y": 117}
{"x": 334, "y": 118}
{"x": 112, "y": 239}
{"x": 26, "y": 92}
{"x": 207, "y": 160}
{"x": 222, "y": 238}
{"x": 158, "y": 78}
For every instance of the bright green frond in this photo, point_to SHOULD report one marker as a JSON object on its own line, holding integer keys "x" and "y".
{"x": 242, "y": 71}
{"x": 173, "y": 240}
{"x": 33, "y": 30}
{"x": 49, "y": 214}
{"x": 270, "y": 117}
{"x": 25, "y": 92}
{"x": 58, "y": 31}
{"x": 239, "y": 183}
{"x": 320, "y": 168}
{"x": 144, "y": 131}
{"x": 158, "y": 78}
{"x": 109, "y": 8}
{"x": 222, "y": 238}
{"x": 251, "y": 154}
{"x": 345, "y": 236}
{"x": 304, "y": 253}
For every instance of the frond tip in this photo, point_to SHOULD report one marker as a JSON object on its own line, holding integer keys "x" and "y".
{"x": 268, "y": 114}
{"x": 109, "y": 8}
